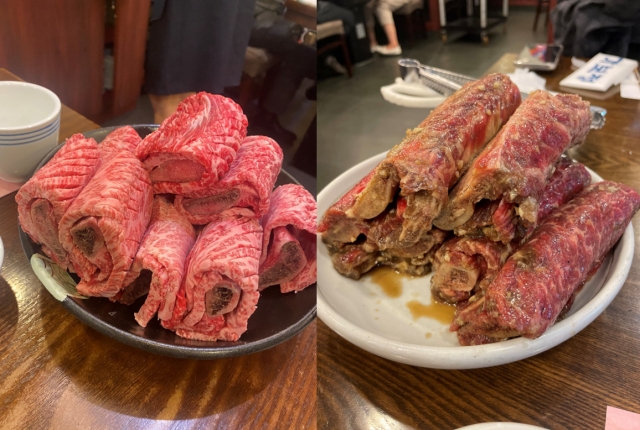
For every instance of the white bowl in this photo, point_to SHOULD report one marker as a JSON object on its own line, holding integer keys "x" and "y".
{"x": 362, "y": 314}
{"x": 29, "y": 127}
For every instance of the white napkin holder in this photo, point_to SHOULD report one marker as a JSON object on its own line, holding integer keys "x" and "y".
{"x": 600, "y": 73}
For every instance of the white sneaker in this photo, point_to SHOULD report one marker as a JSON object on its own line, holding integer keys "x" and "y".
{"x": 374, "y": 49}
{"x": 383, "y": 50}
{"x": 332, "y": 62}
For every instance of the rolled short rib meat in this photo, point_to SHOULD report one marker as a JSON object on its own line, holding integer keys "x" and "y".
{"x": 514, "y": 168}
{"x": 432, "y": 156}
{"x": 195, "y": 146}
{"x": 220, "y": 289}
{"x": 536, "y": 283}
{"x": 44, "y": 199}
{"x": 121, "y": 138}
{"x": 159, "y": 265}
{"x": 104, "y": 225}
{"x": 339, "y": 225}
{"x": 289, "y": 241}
{"x": 247, "y": 184}
{"x": 464, "y": 266}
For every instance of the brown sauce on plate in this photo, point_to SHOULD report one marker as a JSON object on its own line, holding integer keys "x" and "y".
{"x": 389, "y": 280}
{"x": 435, "y": 310}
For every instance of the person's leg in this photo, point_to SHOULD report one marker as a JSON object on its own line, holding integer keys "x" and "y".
{"x": 384, "y": 12}
{"x": 331, "y": 12}
{"x": 370, "y": 23}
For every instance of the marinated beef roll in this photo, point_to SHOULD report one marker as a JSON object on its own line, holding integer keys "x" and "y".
{"x": 339, "y": 226}
{"x": 195, "y": 146}
{"x": 289, "y": 243}
{"x": 506, "y": 181}
{"x": 247, "y": 185}
{"x": 465, "y": 266}
{"x": 44, "y": 199}
{"x": 541, "y": 278}
{"x": 159, "y": 265}
{"x": 102, "y": 229}
{"x": 434, "y": 155}
{"x": 220, "y": 289}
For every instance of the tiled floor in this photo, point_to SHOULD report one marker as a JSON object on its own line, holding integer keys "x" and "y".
{"x": 355, "y": 122}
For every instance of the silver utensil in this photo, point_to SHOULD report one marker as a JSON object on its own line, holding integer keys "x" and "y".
{"x": 447, "y": 83}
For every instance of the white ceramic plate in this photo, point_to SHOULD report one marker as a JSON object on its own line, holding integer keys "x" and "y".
{"x": 501, "y": 426}
{"x": 363, "y": 314}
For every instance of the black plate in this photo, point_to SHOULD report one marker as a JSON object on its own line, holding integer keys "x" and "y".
{"x": 278, "y": 317}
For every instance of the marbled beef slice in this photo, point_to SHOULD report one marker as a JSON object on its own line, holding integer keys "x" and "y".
{"x": 295, "y": 209}
{"x": 44, "y": 199}
{"x": 103, "y": 227}
{"x": 195, "y": 146}
{"x": 248, "y": 184}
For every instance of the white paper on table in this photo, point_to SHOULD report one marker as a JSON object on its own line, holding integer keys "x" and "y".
{"x": 630, "y": 88}
{"x": 600, "y": 73}
{"x": 527, "y": 81}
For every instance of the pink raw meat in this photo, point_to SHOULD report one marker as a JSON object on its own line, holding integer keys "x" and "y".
{"x": 292, "y": 205}
{"x": 48, "y": 194}
{"x": 248, "y": 184}
{"x": 220, "y": 290}
{"x": 121, "y": 138}
{"x": 103, "y": 227}
{"x": 159, "y": 265}
{"x": 195, "y": 146}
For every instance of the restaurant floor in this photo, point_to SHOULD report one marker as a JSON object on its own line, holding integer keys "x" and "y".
{"x": 352, "y": 111}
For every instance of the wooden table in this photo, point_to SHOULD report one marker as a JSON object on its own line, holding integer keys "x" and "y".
{"x": 567, "y": 387}
{"x": 57, "y": 373}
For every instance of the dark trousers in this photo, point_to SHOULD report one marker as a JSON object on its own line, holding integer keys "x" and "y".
{"x": 279, "y": 36}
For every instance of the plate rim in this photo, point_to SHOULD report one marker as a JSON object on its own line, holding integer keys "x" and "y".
{"x": 178, "y": 351}
{"x": 476, "y": 356}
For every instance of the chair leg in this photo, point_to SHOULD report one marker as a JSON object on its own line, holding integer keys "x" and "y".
{"x": 546, "y": 19}
{"x": 347, "y": 59}
{"x": 410, "y": 27}
{"x": 535, "y": 21}
{"x": 246, "y": 83}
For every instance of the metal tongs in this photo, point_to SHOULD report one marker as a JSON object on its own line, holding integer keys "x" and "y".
{"x": 447, "y": 83}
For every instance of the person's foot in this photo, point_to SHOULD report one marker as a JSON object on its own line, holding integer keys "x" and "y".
{"x": 384, "y": 50}
{"x": 332, "y": 62}
{"x": 268, "y": 123}
{"x": 374, "y": 48}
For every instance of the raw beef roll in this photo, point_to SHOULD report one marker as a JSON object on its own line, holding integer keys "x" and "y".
{"x": 195, "y": 146}
{"x": 540, "y": 279}
{"x": 121, "y": 138}
{"x": 514, "y": 168}
{"x": 159, "y": 264}
{"x": 464, "y": 266}
{"x": 220, "y": 290}
{"x": 246, "y": 187}
{"x": 104, "y": 225}
{"x": 48, "y": 194}
{"x": 289, "y": 242}
{"x": 432, "y": 156}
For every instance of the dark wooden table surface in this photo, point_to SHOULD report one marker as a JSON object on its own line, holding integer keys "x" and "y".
{"x": 567, "y": 387}
{"x": 57, "y": 373}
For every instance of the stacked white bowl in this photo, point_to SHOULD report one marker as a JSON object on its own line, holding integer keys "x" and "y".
{"x": 29, "y": 126}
